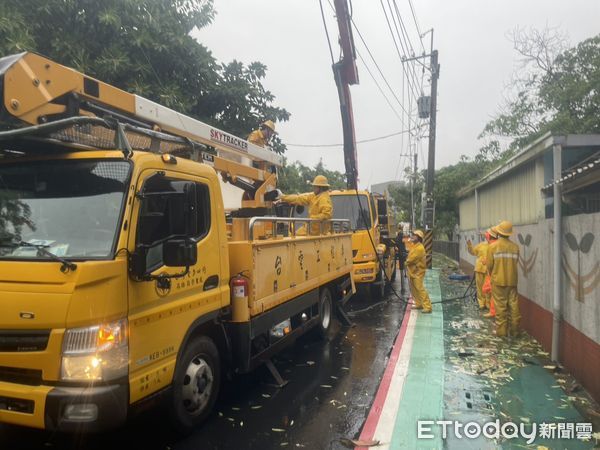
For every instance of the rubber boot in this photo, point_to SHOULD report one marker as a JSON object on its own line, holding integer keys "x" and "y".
{"x": 492, "y": 312}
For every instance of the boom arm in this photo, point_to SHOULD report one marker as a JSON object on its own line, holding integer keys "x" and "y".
{"x": 346, "y": 73}
{"x": 36, "y": 90}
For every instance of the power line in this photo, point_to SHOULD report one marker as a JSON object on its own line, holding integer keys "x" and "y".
{"x": 367, "y": 67}
{"x": 404, "y": 50}
{"x": 379, "y": 87}
{"x": 377, "y": 65}
{"x": 379, "y": 138}
{"x": 326, "y": 32}
{"x": 410, "y": 51}
{"x": 412, "y": 10}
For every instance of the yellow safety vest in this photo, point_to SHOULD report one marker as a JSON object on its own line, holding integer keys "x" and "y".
{"x": 503, "y": 262}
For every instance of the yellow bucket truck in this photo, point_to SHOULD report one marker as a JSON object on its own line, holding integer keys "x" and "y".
{"x": 122, "y": 277}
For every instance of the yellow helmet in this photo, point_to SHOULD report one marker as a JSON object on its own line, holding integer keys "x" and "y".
{"x": 504, "y": 228}
{"x": 269, "y": 124}
{"x": 320, "y": 181}
{"x": 419, "y": 233}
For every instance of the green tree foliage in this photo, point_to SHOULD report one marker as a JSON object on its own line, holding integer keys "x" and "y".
{"x": 449, "y": 181}
{"x": 295, "y": 178}
{"x": 556, "y": 91}
{"x": 144, "y": 46}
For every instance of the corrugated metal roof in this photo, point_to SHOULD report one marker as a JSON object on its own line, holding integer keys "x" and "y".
{"x": 536, "y": 148}
{"x": 575, "y": 173}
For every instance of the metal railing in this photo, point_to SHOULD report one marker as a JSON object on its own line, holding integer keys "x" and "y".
{"x": 448, "y": 248}
{"x": 336, "y": 226}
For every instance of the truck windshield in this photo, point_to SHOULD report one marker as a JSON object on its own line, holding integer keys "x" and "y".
{"x": 69, "y": 208}
{"x": 347, "y": 207}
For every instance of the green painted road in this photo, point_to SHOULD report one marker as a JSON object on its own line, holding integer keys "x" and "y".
{"x": 422, "y": 395}
{"x": 458, "y": 370}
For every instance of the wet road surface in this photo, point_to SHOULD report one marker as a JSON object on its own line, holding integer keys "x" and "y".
{"x": 331, "y": 387}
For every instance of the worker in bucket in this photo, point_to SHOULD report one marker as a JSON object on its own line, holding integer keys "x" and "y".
{"x": 502, "y": 263}
{"x": 480, "y": 252}
{"x": 416, "y": 264}
{"x": 318, "y": 202}
{"x": 262, "y": 136}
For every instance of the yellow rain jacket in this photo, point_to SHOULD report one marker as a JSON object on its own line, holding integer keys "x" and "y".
{"x": 319, "y": 206}
{"x": 480, "y": 251}
{"x": 416, "y": 262}
{"x": 257, "y": 138}
{"x": 502, "y": 262}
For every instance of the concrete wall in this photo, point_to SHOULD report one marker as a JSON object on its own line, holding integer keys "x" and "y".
{"x": 580, "y": 261}
{"x": 580, "y": 269}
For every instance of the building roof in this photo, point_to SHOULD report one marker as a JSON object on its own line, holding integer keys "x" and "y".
{"x": 536, "y": 148}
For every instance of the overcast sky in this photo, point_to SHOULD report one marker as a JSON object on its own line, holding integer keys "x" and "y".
{"x": 476, "y": 57}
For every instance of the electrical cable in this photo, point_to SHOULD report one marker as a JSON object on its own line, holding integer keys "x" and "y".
{"x": 379, "y": 87}
{"x": 404, "y": 49}
{"x": 379, "y": 138}
{"x": 405, "y": 42}
{"x": 377, "y": 66}
{"x": 326, "y": 32}
{"x": 412, "y": 10}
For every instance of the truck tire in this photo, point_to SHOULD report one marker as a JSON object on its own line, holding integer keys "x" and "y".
{"x": 378, "y": 286}
{"x": 325, "y": 313}
{"x": 196, "y": 384}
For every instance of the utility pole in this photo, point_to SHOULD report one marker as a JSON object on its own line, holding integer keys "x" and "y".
{"x": 429, "y": 201}
{"x": 413, "y": 180}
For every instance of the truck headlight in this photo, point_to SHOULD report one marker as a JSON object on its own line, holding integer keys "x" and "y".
{"x": 368, "y": 255}
{"x": 97, "y": 353}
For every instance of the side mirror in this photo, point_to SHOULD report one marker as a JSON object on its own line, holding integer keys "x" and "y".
{"x": 180, "y": 253}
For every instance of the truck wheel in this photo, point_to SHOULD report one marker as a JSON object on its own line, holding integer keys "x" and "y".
{"x": 196, "y": 384}
{"x": 325, "y": 313}
{"x": 378, "y": 287}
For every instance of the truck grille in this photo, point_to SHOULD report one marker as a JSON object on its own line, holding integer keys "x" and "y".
{"x": 23, "y": 340}
{"x": 29, "y": 377}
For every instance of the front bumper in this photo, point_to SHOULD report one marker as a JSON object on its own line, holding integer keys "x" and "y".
{"x": 365, "y": 272}
{"x": 45, "y": 406}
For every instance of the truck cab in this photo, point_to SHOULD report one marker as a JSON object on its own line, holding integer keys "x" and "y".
{"x": 373, "y": 252}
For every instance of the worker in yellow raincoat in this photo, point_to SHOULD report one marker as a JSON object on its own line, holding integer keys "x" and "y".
{"x": 502, "y": 264}
{"x": 262, "y": 136}
{"x": 480, "y": 251}
{"x": 318, "y": 202}
{"x": 492, "y": 237}
{"x": 416, "y": 264}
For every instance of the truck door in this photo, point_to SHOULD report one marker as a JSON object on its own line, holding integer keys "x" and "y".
{"x": 162, "y": 309}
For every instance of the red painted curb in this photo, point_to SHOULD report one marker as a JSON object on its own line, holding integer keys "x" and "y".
{"x": 370, "y": 425}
